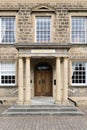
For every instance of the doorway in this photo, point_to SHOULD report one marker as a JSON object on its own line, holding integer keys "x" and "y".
{"x": 43, "y": 80}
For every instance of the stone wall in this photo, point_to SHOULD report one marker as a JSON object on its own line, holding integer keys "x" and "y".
{"x": 78, "y": 53}
{"x": 61, "y": 25}
{"x": 8, "y": 53}
{"x": 26, "y": 32}
{"x": 8, "y": 95}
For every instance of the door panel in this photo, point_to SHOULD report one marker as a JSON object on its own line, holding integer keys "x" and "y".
{"x": 38, "y": 80}
{"x": 43, "y": 83}
{"x": 48, "y": 84}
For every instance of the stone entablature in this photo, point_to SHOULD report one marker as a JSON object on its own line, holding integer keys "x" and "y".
{"x": 43, "y": 52}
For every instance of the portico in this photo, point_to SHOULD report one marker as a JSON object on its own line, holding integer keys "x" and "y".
{"x": 26, "y": 77}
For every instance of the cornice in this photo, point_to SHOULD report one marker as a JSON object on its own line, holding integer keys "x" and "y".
{"x": 41, "y": 46}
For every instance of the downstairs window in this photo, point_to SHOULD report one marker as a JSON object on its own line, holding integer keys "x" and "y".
{"x": 7, "y": 74}
{"x": 79, "y": 73}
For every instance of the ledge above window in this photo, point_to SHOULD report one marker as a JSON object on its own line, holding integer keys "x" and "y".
{"x": 42, "y": 8}
{"x": 77, "y": 9}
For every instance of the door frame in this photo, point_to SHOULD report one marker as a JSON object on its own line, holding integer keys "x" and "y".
{"x": 50, "y": 71}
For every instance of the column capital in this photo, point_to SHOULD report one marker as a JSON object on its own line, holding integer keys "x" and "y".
{"x": 66, "y": 57}
{"x": 62, "y": 56}
{"x": 28, "y": 57}
{"x": 58, "y": 57}
{"x": 20, "y": 57}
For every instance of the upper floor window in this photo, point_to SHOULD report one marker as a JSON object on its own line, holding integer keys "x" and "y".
{"x": 7, "y": 29}
{"x": 79, "y": 75}
{"x": 43, "y": 29}
{"x": 78, "y": 31}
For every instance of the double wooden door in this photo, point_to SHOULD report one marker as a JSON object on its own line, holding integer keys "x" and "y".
{"x": 43, "y": 83}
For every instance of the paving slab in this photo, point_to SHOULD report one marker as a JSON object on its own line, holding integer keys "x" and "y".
{"x": 43, "y": 122}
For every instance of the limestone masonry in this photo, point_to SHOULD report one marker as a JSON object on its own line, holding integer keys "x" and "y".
{"x": 45, "y": 45}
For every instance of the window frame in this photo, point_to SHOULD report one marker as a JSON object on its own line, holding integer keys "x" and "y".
{"x": 43, "y": 40}
{"x": 10, "y": 14}
{"x": 77, "y": 84}
{"x": 79, "y": 31}
{"x": 8, "y": 84}
{"x": 51, "y": 15}
{"x": 2, "y": 30}
{"x": 78, "y": 14}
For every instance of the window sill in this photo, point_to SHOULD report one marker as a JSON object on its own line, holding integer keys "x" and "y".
{"x": 78, "y": 86}
{"x": 74, "y": 44}
{"x": 8, "y": 43}
{"x": 9, "y": 86}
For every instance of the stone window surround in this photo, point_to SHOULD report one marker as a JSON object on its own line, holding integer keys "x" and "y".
{"x": 9, "y": 13}
{"x": 75, "y": 14}
{"x": 34, "y": 24}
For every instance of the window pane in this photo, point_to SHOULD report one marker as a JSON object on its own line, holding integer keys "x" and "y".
{"x": 7, "y": 73}
{"x": 78, "y": 29}
{"x": 79, "y": 73}
{"x": 43, "y": 29}
{"x": 7, "y": 29}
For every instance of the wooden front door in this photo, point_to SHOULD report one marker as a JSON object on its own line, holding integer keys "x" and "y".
{"x": 43, "y": 83}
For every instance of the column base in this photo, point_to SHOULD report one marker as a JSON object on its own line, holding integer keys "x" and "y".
{"x": 20, "y": 102}
{"x": 66, "y": 102}
{"x": 27, "y": 102}
{"x": 58, "y": 102}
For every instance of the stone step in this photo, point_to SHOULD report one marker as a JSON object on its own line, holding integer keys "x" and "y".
{"x": 44, "y": 113}
{"x": 43, "y": 110}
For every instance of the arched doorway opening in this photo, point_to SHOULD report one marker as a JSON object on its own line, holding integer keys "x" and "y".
{"x": 43, "y": 79}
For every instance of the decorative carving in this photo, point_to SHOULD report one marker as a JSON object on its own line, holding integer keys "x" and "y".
{"x": 43, "y": 8}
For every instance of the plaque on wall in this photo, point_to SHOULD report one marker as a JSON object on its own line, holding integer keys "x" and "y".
{"x": 43, "y": 51}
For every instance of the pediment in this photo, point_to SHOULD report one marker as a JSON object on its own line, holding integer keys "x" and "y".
{"x": 43, "y": 8}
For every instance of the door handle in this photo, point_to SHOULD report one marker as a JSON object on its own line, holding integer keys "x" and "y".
{"x": 39, "y": 81}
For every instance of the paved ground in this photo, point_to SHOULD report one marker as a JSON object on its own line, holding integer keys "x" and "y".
{"x": 26, "y": 122}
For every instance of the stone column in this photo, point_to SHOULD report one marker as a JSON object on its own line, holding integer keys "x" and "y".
{"x": 20, "y": 82}
{"x": 58, "y": 81}
{"x": 27, "y": 82}
{"x": 65, "y": 89}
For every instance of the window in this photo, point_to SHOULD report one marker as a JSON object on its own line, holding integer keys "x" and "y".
{"x": 79, "y": 32}
{"x": 79, "y": 76}
{"x": 7, "y": 73}
{"x": 43, "y": 29}
{"x": 7, "y": 29}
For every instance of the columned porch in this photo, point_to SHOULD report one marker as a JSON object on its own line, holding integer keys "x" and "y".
{"x": 60, "y": 81}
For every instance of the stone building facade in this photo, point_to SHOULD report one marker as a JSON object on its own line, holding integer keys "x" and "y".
{"x": 43, "y": 50}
